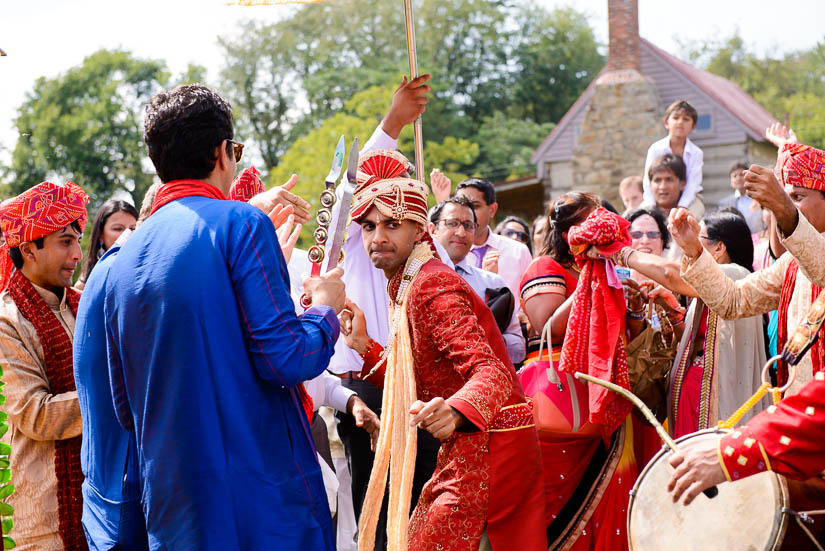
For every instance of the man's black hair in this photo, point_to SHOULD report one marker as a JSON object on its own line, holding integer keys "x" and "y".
{"x": 435, "y": 212}
{"x": 672, "y": 163}
{"x": 484, "y": 186}
{"x": 183, "y": 126}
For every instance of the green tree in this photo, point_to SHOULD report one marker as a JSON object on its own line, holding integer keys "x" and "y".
{"x": 556, "y": 56}
{"x": 790, "y": 82}
{"x": 507, "y": 145}
{"x": 311, "y": 154}
{"x": 288, "y": 78}
{"x": 85, "y": 126}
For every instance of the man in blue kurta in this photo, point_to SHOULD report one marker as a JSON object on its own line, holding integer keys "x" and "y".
{"x": 112, "y": 515}
{"x": 206, "y": 354}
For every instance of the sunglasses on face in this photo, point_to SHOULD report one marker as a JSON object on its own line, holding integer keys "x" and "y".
{"x": 237, "y": 149}
{"x": 650, "y": 234}
{"x": 453, "y": 224}
{"x": 517, "y": 235}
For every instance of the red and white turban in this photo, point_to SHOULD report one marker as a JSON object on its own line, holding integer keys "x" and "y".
{"x": 801, "y": 166}
{"x": 247, "y": 185}
{"x": 43, "y": 209}
{"x": 384, "y": 182}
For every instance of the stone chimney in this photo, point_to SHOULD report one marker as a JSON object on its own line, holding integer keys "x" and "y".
{"x": 624, "y": 114}
{"x": 623, "y": 26}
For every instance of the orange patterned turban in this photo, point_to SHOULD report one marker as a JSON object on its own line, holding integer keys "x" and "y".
{"x": 43, "y": 209}
{"x": 384, "y": 182}
{"x": 801, "y": 166}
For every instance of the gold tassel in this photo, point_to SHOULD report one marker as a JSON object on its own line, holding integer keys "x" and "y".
{"x": 397, "y": 438}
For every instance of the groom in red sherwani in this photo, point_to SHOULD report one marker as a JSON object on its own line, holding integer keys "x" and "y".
{"x": 487, "y": 484}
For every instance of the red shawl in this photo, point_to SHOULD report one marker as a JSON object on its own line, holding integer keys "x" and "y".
{"x": 178, "y": 189}
{"x": 593, "y": 342}
{"x": 818, "y": 349}
{"x": 57, "y": 359}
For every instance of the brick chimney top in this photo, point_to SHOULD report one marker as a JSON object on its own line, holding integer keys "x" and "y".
{"x": 623, "y": 23}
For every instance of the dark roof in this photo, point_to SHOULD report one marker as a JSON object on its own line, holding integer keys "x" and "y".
{"x": 727, "y": 94}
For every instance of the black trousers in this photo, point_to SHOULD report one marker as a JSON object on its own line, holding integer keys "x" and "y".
{"x": 360, "y": 458}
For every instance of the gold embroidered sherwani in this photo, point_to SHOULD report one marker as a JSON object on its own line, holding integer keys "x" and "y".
{"x": 37, "y": 418}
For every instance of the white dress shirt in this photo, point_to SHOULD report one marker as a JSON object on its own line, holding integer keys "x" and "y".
{"x": 513, "y": 260}
{"x": 481, "y": 280}
{"x": 693, "y": 159}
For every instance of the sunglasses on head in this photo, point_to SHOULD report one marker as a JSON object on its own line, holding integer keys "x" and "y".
{"x": 237, "y": 149}
{"x": 517, "y": 235}
{"x": 650, "y": 234}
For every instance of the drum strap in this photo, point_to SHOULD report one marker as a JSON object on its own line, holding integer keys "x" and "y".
{"x": 734, "y": 419}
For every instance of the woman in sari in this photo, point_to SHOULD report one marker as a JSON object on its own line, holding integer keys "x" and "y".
{"x": 587, "y": 480}
{"x": 718, "y": 362}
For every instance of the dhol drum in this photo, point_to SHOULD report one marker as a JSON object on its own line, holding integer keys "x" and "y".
{"x": 755, "y": 513}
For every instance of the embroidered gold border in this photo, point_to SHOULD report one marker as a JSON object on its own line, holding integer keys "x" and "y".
{"x": 709, "y": 366}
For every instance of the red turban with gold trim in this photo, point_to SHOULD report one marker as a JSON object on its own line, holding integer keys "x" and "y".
{"x": 35, "y": 213}
{"x": 384, "y": 182}
{"x": 801, "y": 165}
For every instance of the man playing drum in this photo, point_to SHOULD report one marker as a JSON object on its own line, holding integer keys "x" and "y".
{"x": 788, "y": 438}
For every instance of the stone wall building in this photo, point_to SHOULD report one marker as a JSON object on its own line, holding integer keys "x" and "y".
{"x": 606, "y": 133}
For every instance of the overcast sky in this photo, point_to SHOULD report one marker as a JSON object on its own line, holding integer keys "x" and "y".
{"x": 47, "y": 37}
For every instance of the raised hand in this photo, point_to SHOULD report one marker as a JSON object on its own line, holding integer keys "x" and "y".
{"x": 685, "y": 231}
{"x": 408, "y": 103}
{"x": 286, "y": 230}
{"x": 440, "y": 184}
{"x": 281, "y": 195}
{"x": 762, "y": 186}
{"x": 779, "y": 135}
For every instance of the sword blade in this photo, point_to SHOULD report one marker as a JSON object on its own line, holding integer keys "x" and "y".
{"x": 337, "y": 162}
{"x": 339, "y": 221}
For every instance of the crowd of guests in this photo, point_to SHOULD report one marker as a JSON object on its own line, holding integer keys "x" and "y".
{"x": 692, "y": 341}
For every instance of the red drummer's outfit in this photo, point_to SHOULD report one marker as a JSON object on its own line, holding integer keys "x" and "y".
{"x": 788, "y": 438}
{"x": 489, "y": 472}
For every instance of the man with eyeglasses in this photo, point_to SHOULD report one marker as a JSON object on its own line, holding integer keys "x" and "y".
{"x": 207, "y": 355}
{"x": 490, "y": 251}
{"x": 453, "y": 225}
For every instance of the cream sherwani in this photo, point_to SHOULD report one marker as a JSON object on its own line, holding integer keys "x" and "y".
{"x": 759, "y": 292}
{"x": 37, "y": 418}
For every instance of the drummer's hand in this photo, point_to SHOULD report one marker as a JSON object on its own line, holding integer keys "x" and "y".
{"x": 364, "y": 418}
{"x": 697, "y": 469}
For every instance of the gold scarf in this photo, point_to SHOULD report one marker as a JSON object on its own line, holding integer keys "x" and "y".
{"x": 397, "y": 438}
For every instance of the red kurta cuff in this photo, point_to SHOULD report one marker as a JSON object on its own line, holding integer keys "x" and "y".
{"x": 742, "y": 455}
{"x": 371, "y": 358}
{"x": 468, "y": 411}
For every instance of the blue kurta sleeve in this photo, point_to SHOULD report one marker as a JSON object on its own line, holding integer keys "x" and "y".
{"x": 286, "y": 349}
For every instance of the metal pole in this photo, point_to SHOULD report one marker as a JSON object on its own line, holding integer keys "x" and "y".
{"x": 417, "y": 130}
